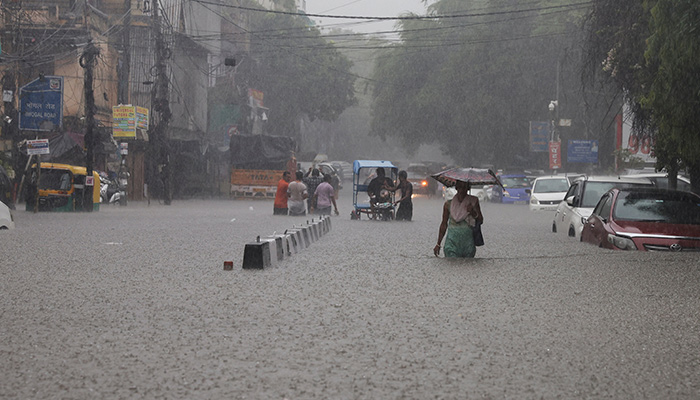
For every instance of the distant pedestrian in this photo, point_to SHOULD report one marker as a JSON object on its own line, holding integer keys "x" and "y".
{"x": 280, "y": 207}
{"x": 405, "y": 212}
{"x": 297, "y": 194}
{"x": 324, "y": 197}
{"x": 312, "y": 179}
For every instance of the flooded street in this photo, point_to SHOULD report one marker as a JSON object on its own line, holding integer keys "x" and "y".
{"x": 133, "y": 302}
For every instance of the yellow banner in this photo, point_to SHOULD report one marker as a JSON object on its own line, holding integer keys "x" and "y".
{"x": 124, "y": 121}
{"x": 255, "y": 177}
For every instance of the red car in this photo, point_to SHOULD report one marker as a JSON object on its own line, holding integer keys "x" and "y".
{"x": 645, "y": 219}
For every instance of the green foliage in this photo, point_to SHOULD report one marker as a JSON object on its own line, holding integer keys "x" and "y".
{"x": 651, "y": 52}
{"x": 299, "y": 72}
{"x": 673, "y": 54}
{"x": 473, "y": 84}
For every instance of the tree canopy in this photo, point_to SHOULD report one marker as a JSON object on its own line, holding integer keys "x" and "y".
{"x": 475, "y": 82}
{"x": 299, "y": 72}
{"x": 651, "y": 52}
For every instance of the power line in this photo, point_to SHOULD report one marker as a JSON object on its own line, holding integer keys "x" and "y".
{"x": 412, "y": 17}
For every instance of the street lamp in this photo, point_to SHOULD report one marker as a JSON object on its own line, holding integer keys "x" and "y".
{"x": 552, "y": 108}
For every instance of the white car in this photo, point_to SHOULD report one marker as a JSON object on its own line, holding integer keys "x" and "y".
{"x": 6, "y": 219}
{"x": 479, "y": 192}
{"x": 548, "y": 192}
{"x": 582, "y": 197}
{"x": 660, "y": 180}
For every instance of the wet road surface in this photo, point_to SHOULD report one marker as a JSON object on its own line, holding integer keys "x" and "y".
{"x": 133, "y": 302}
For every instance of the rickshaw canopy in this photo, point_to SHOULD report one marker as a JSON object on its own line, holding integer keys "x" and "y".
{"x": 358, "y": 164}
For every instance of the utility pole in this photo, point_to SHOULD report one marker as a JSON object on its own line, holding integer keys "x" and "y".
{"x": 125, "y": 67}
{"x": 9, "y": 87}
{"x": 87, "y": 61}
{"x": 160, "y": 103}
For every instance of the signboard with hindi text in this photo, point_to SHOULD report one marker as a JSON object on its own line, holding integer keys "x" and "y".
{"x": 41, "y": 104}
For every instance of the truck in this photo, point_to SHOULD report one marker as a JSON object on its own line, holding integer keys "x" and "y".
{"x": 258, "y": 162}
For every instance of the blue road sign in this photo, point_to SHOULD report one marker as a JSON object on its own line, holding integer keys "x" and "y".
{"x": 539, "y": 136}
{"x": 582, "y": 151}
{"x": 41, "y": 104}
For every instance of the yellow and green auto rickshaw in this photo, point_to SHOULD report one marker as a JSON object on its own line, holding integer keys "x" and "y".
{"x": 62, "y": 188}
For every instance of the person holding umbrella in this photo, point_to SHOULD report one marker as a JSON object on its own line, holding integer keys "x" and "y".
{"x": 461, "y": 214}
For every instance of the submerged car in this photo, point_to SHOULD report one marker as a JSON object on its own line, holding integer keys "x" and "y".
{"x": 548, "y": 192}
{"x": 583, "y": 195}
{"x": 6, "y": 219}
{"x": 419, "y": 182}
{"x": 660, "y": 180}
{"x": 645, "y": 219}
{"x": 517, "y": 189}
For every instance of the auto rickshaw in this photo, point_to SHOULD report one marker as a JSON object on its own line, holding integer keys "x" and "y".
{"x": 62, "y": 188}
{"x": 363, "y": 172}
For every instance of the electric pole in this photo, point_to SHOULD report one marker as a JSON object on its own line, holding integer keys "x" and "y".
{"x": 87, "y": 61}
{"x": 9, "y": 87}
{"x": 160, "y": 103}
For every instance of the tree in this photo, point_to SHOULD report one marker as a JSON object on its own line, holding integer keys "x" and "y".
{"x": 651, "y": 53}
{"x": 297, "y": 70}
{"x": 673, "y": 95}
{"x": 475, "y": 82}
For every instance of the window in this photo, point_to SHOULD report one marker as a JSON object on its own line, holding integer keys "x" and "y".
{"x": 551, "y": 185}
{"x": 605, "y": 206}
{"x": 668, "y": 207}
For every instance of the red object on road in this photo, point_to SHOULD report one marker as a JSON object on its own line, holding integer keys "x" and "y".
{"x": 645, "y": 219}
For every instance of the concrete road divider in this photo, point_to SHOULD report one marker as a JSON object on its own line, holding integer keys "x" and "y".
{"x": 257, "y": 255}
{"x": 275, "y": 248}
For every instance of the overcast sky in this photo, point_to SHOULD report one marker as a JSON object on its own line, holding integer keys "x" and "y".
{"x": 378, "y": 8}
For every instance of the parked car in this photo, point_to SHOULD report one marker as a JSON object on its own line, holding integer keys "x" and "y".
{"x": 517, "y": 189}
{"x": 6, "y": 219}
{"x": 548, "y": 192}
{"x": 583, "y": 195}
{"x": 480, "y": 192}
{"x": 6, "y": 189}
{"x": 645, "y": 219}
{"x": 660, "y": 180}
{"x": 344, "y": 169}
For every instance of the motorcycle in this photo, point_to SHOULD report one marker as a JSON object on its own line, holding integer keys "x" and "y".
{"x": 110, "y": 192}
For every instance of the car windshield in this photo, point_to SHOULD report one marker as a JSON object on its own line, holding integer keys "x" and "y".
{"x": 551, "y": 185}
{"x": 516, "y": 182}
{"x": 669, "y": 207}
{"x": 594, "y": 190}
{"x": 414, "y": 175}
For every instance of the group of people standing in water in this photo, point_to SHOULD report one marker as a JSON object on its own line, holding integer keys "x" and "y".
{"x": 461, "y": 212}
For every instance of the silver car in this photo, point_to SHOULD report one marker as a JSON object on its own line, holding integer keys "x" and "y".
{"x": 582, "y": 197}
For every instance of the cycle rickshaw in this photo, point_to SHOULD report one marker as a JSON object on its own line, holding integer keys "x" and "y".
{"x": 363, "y": 172}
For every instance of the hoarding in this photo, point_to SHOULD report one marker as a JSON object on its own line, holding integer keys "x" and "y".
{"x": 582, "y": 151}
{"x": 554, "y": 155}
{"x": 123, "y": 122}
{"x": 141, "y": 117}
{"x": 41, "y": 104}
{"x": 641, "y": 146}
{"x": 539, "y": 136}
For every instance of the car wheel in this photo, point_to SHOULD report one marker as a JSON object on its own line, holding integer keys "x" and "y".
{"x": 572, "y": 232}
{"x": 554, "y": 227}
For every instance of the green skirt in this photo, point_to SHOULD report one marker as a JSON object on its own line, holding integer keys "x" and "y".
{"x": 459, "y": 241}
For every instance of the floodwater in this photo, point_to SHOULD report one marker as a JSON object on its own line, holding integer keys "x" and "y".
{"x": 133, "y": 302}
